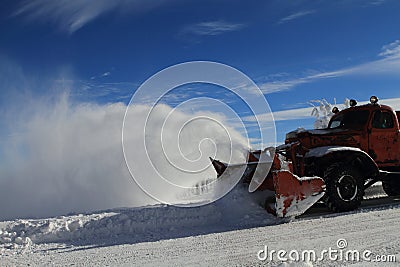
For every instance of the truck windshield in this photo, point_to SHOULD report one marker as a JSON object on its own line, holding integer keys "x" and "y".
{"x": 350, "y": 120}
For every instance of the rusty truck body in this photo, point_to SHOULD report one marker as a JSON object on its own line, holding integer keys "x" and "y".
{"x": 360, "y": 146}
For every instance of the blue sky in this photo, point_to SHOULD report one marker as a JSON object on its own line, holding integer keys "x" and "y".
{"x": 295, "y": 51}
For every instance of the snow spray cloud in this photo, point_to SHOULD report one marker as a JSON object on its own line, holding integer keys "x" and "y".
{"x": 174, "y": 166}
{"x": 60, "y": 155}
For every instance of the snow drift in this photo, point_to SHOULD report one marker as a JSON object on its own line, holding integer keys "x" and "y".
{"x": 237, "y": 210}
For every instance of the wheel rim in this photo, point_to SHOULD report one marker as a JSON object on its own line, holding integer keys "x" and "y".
{"x": 347, "y": 188}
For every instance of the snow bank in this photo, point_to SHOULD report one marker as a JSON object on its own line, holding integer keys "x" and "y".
{"x": 237, "y": 210}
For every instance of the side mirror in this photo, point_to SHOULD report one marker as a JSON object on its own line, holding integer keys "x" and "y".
{"x": 353, "y": 103}
{"x": 335, "y": 110}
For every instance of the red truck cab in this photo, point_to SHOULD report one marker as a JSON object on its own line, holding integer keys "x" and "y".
{"x": 360, "y": 147}
{"x": 375, "y": 128}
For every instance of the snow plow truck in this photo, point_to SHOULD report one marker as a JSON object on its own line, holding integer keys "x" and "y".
{"x": 360, "y": 146}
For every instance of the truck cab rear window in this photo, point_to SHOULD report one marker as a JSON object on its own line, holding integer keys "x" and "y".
{"x": 350, "y": 120}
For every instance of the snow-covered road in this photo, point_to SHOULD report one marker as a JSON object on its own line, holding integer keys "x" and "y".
{"x": 213, "y": 235}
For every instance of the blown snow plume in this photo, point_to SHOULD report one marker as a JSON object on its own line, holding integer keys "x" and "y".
{"x": 59, "y": 157}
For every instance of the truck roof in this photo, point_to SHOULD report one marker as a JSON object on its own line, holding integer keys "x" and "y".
{"x": 367, "y": 107}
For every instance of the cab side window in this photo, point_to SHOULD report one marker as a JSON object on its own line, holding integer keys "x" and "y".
{"x": 383, "y": 120}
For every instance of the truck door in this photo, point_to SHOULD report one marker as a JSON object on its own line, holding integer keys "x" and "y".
{"x": 384, "y": 138}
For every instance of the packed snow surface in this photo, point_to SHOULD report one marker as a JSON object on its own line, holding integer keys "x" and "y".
{"x": 151, "y": 223}
{"x": 229, "y": 232}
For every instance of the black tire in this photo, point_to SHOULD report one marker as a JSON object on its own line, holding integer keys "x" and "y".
{"x": 392, "y": 186}
{"x": 344, "y": 187}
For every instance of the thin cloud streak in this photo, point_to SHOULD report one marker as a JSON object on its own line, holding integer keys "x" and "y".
{"x": 296, "y": 16}
{"x": 377, "y": 2}
{"x": 71, "y": 16}
{"x": 212, "y": 28}
{"x": 388, "y": 64}
{"x": 305, "y": 113}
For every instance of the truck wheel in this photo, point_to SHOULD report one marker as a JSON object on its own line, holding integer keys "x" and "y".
{"x": 344, "y": 187}
{"x": 392, "y": 186}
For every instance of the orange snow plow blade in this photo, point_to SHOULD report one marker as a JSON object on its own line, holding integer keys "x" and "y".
{"x": 295, "y": 195}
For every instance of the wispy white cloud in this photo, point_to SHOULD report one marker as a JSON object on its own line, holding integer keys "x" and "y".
{"x": 71, "y": 15}
{"x": 92, "y": 90}
{"x": 391, "y": 50}
{"x": 387, "y": 64}
{"x": 101, "y": 75}
{"x": 377, "y": 2}
{"x": 296, "y": 16}
{"x": 278, "y": 86}
{"x": 305, "y": 113}
{"x": 212, "y": 28}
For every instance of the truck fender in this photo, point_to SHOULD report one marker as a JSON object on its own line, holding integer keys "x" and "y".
{"x": 327, "y": 155}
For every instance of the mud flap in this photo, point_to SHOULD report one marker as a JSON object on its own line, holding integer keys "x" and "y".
{"x": 295, "y": 195}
